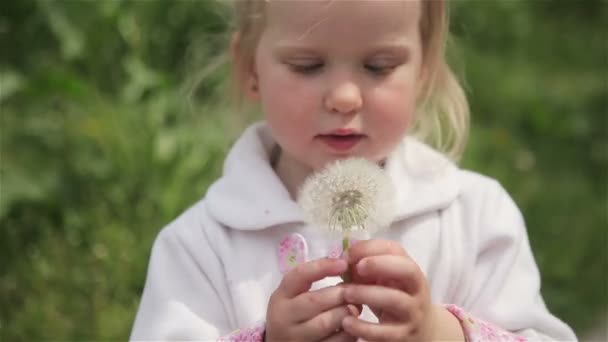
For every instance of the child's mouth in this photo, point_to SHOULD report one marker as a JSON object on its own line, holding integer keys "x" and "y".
{"x": 341, "y": 143}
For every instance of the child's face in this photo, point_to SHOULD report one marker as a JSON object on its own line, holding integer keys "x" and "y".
{"x": 330, "y": 68}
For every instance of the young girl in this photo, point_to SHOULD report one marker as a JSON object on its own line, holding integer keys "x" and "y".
{"x": 339, "y": 79}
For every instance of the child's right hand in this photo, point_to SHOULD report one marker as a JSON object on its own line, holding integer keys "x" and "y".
{"x": 297, "y": 314}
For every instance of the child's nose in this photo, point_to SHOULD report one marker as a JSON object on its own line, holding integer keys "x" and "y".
{"x": 344, "y": 98}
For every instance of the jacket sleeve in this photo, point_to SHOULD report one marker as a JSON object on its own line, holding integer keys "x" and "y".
{"x": 185, "y": 295}
{"x": 505, "y": 285}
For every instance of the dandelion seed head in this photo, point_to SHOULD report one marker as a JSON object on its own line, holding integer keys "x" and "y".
{"x": 350, "y": 196}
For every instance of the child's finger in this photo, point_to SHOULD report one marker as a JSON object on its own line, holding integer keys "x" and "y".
{"x": 373, "y": 331}
{"x": 322, "y": 325}
{"x": 341, "y": 336}
{"x": 367, "y": 248}
{"x": 392, "y": 269}
{"x": 355, "y": 310}
{"x": 300, "y": 279}
{"x": 381, "y": 298}
{"x": 310, "y": 304}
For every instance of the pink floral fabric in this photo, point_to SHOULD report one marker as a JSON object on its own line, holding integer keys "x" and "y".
{"x": 292, "y": 252}
{"x": 255, "y": 334}
{"x": 476, "y": 330}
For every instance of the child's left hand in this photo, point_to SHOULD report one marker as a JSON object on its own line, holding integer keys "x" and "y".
{"x": 386, "y": 279}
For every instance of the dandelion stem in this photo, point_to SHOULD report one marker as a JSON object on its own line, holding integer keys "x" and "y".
{"x": 345, "y": 244}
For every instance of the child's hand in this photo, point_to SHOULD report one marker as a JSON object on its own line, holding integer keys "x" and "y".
{"x": 387, "y": 280}
{"x": 297, "y": 314}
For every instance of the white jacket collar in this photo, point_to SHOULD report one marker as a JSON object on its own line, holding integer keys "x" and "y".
{"x": 250, "y": 196}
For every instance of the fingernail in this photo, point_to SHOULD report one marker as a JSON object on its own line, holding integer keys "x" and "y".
{"x": 353, "y": 310}
{"x": 341, "y": 264}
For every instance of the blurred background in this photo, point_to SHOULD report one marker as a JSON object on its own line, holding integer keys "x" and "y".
{"x": 115, "y": 118}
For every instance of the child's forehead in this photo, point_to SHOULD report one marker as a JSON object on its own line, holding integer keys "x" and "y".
{"x": 304, "y": 17}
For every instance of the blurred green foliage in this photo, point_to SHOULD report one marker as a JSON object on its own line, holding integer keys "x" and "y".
{"x": 102, "y": 144}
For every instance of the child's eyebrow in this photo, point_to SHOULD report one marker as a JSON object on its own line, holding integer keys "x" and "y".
{"x": 401, "y": 48}
{"x": 294, "y": 48}
{"x": 393, "y": 47}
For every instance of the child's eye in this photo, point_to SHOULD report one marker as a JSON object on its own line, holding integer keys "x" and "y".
{"x": 380, "y": 69}
{"x": 309, "y": 68}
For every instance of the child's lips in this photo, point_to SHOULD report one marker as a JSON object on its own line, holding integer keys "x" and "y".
{"x": 340, "y": 142}
{"x": 343, "y": 132}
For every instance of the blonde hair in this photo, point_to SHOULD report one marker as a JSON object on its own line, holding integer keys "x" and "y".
{"x": 442, "y": 118}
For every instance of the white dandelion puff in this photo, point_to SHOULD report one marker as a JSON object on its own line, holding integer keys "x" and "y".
{"x": 351, "y": 197}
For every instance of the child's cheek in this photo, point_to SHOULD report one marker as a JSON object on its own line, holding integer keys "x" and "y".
{"x": 288, "y": 94}
{"x": 392, "y": 108}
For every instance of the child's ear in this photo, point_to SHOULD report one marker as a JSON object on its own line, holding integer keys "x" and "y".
{"x": 244, "y": 70}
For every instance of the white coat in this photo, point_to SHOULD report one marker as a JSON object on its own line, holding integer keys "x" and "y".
{"x": 214, "y": 268}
